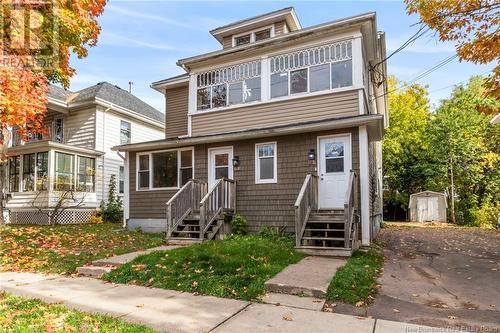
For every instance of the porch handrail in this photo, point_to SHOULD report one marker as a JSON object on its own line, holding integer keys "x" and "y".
{"x": 185, "y": 201}
{"x": 307, "y": 200}
{"x": 349, "y": 208}
{"x": 221, "y": 198}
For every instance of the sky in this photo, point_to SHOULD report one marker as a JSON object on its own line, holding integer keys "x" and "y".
{"x": 142, "y": 40}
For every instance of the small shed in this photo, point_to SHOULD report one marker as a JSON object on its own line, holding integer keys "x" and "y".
{"x": 428, "y": 206}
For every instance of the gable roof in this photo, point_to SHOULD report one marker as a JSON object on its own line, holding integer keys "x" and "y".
{"x": 109, "y": 93}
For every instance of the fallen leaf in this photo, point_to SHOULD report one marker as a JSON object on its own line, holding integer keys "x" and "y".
{"x": 287, "y": 317}
{"x": 360, "y": 304}
{"x": 395, "y": 310}
{"x": 452, "y": 317}
{"x": 140, "y": 305}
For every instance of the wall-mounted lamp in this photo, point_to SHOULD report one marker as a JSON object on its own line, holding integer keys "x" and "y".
{"x": 311, "y": 155}
{"x": 236, "y": 161}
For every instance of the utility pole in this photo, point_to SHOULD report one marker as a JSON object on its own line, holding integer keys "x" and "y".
{"x": 452, "y": 191}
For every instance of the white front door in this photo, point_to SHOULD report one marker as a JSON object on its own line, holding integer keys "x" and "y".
{"x": 335, "y": 164}
{"x": 219, "y": 164}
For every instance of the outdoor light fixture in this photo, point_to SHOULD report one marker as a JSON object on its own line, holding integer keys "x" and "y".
{"x": 236, "y": 161}
{"x": 311, "y": 155}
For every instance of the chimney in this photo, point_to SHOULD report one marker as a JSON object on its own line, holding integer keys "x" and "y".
{"x": 130, "y": 84}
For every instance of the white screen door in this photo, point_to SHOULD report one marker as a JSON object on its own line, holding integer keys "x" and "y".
{"x": 220, "y": 164}
{"x": 335, "y": 163}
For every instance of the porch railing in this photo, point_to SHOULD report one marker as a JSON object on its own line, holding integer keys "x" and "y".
{"x": 349, "y": 208}
{"x": 220, "y": 199}
{"x": 185, "y": 201}
{"x": 305, "y": 203}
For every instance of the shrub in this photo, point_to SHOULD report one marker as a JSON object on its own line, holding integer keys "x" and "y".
{"x": 239, "y": 225}
{"x": 112, "y": 211}
{"x": 95, "y": 219}
{"x": 487, "y": 215}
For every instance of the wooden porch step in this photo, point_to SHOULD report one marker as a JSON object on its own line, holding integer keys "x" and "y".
{"x": 318, "y": 229}
{"x": 325, "y": 251}
{"x": 325, "y": 221}
{"x": 186, "y": 232}
{"x": 324, "y": 238}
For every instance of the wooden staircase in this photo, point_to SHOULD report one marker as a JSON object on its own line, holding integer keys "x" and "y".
{"x": 195, "y": 214}
{"x": 326, "y": 232}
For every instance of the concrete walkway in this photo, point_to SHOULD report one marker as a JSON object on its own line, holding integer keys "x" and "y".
{"x": 175, "y": 311}
{"x": 101, "y": 266}
{"x": 311, "y": 277}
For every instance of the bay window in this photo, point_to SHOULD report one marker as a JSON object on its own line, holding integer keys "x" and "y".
{"x": 64, "y": 172}
{"x": 86, "y": 174}
{"x": 14, "y": 165}
{"x": 42, "y": 171}
{"x": 29, "y": 172}
{"x": 266, "y": 163}
{"x": 164, "y": 169}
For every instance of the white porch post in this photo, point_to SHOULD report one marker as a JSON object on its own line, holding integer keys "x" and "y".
{"x": 363, "y": 181}
{"x": 126, "y": 195}
{"x": 191, "y": 100}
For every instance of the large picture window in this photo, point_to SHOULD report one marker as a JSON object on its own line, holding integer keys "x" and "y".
{"x": 317, "y": 69}
{"x": 14, "y": 165}
{"x": 86, "y": 174}
{"x": 164, "y": 169}
{"x": 234, "y": 85}
{"x": 265, "y": 163}
{"x": 64, "y": 172}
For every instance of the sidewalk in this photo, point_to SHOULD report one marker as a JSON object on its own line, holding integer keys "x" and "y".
{"x": 175, "y": 311}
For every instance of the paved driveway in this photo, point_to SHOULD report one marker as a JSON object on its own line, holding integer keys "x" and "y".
{"x": 439, "y": 277}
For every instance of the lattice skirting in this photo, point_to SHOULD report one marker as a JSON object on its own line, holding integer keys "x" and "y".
{"x": 77, "y": 216}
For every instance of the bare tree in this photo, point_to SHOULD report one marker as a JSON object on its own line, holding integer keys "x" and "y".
{"x": 66, "y": 199}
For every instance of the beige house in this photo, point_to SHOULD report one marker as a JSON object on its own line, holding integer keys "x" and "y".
{"x": 75, "y": 152}
{"x": 281, "y": 125}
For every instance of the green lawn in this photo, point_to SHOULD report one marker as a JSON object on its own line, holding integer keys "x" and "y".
{"x": 234, "y": 268}
{"x": 23, "y": 315}
{"x": 356, "y": 280}
{"x": 63, "y": 248}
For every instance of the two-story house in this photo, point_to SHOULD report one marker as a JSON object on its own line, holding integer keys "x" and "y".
{"x": 75, "y": 152}
{"x": 281, "y": 125}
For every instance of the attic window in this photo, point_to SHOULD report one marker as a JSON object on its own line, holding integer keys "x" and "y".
{"x": 263, "y": 34}
{"x": 241, "y": 40}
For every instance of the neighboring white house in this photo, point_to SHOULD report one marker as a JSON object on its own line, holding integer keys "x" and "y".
{"x": 428, "y": 206}
{"x": 76, "y": 151}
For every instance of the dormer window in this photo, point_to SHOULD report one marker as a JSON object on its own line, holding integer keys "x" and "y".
{"x": 263, "y": 34}
{"x": 242, "y": 40}
{"x": 253, "y": 36}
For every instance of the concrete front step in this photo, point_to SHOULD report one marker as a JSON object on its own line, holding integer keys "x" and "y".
{"x": 182, "y": 241}
{"x": 94, "y": 271}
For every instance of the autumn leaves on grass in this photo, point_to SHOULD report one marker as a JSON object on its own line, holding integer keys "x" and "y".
{"x": 61, "y": 249}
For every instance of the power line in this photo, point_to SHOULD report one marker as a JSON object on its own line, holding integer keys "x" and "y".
{"x": 423, "y": 74}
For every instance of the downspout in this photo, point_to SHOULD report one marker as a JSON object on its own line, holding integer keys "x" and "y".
{"x": 103, "y": 178}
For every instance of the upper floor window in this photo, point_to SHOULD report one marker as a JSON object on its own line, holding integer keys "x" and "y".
{"x": 262, "y": 34}
{"x": 229, "y": 86}
{"x": 59, "y": 130}
{"x": 125, "y": 132}
{"x": 253, "y": 36}
{"x": 242, "y": 40}
{"x": 316, "y": 69}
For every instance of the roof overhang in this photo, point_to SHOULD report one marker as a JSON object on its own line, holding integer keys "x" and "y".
{"x": 374, "y": 123}
{"x": 365, "y": 22}
{"x": 34, "y": 147}
{"x": 286, "y": 14}
{"x": 172, "y": 82}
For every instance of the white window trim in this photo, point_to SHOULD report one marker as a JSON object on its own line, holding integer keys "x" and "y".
{"x": 150, "y": 170}
{"x": 252, "y": 34}
{"x": 258, "y": 180}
